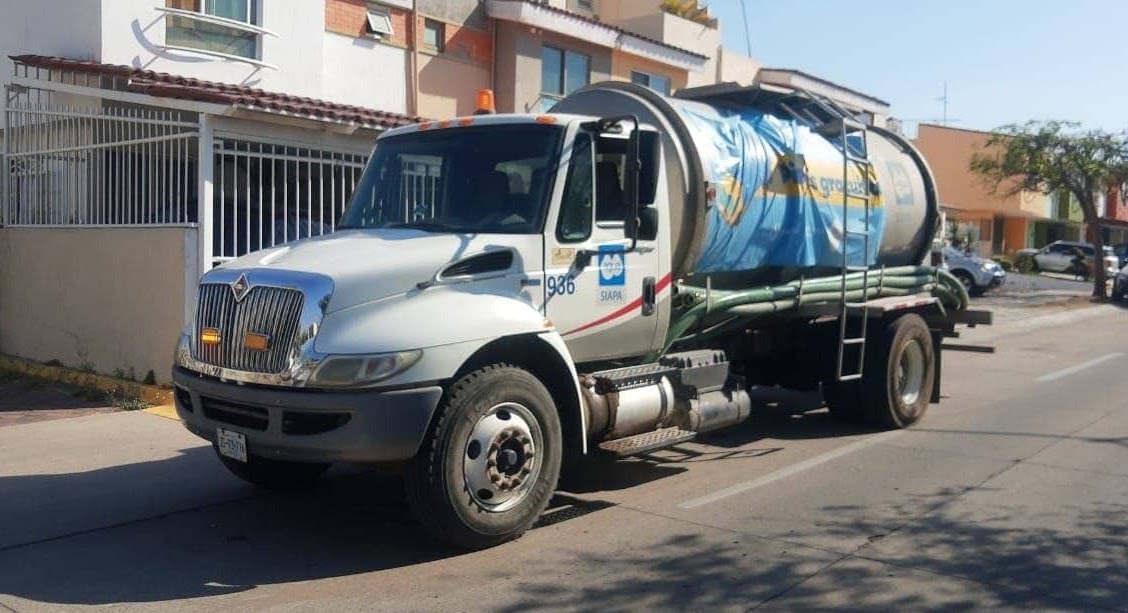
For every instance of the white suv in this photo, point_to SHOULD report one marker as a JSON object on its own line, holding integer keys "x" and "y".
{"x": 1058, "y": 257}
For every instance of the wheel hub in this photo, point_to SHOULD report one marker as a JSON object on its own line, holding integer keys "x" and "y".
{"x": 910, "y": 374}
{"x": 500, "y": 459}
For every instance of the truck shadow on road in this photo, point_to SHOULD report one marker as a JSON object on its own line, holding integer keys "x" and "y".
{"x": 148, "y": 543}
{"x": 777, "y": 416}
{"x": 182, "y": 527}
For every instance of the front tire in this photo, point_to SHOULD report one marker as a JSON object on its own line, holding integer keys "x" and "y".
{"x": 968, "y": 282}
{"x": 491, "y": 461}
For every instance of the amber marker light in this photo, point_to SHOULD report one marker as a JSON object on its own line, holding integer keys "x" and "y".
{"x": 210, "y": 336}
{"x": 256, "y": 342}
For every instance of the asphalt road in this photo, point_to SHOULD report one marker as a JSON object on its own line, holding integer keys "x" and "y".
{"x": 1013, "y": 493}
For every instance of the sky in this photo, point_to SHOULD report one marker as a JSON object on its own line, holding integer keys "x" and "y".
{"x": 1004, "y": 61}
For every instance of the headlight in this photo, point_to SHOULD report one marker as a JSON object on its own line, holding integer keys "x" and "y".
{"x": 361, "y": 370}
{"x": 987, "y": 266}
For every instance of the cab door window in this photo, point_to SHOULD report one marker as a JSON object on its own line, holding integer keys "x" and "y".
{"x": 576, "y": 208}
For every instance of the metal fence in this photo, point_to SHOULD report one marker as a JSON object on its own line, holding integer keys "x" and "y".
{"x": 267, "y": 193}
{"x": 101, "y": 166}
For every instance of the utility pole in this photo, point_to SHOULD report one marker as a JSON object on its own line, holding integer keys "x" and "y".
{"x": 944, "y": 105}
{"x": 747, "y": 36}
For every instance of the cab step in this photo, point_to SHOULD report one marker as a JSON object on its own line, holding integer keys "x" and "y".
{"x": 647, "y": 441}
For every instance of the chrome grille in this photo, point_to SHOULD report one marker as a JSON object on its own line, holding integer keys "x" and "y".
{"x": 271, "y": 311}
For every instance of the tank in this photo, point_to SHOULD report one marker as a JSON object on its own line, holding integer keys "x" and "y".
{"x": 756, "y": 196}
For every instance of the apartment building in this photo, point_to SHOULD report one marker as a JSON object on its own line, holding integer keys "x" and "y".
{"x": 150, "y": 140}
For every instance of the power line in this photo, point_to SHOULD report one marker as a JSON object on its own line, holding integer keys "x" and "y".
{"x": 747, "y": 36}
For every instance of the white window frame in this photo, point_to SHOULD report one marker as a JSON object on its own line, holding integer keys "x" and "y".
{"x": 254, "y": 10}
{"x": 378, "y": 23}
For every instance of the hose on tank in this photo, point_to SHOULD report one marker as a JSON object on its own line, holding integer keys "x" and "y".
{"x": 714, "y": 312}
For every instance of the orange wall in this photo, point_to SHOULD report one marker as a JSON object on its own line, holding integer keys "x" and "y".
{"x": 949, "y": 152}
{"x": 1014, "y": 234}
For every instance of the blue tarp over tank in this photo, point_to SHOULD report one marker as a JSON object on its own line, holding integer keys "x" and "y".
{"x": 778, "y": 195}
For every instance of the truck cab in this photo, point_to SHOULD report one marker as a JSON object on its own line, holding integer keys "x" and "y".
{"x": 490, "y": 242}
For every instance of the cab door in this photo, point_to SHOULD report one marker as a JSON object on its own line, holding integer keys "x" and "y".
{"x": 599, "y": 294}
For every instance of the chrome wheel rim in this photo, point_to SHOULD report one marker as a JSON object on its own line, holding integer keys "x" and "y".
{"x": 500, "y": 462}
{"x": 910, "y": 374}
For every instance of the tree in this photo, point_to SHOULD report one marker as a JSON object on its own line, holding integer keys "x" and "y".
{"x": 691, "y": 10}
{"x": 1052, "y": 156}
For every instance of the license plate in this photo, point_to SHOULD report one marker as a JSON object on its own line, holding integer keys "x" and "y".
{"x": 231, "y": 444}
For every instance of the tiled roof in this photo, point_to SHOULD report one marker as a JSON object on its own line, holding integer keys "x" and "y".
{"x": 166, "y": 85}
{"x": 585, "y": 18}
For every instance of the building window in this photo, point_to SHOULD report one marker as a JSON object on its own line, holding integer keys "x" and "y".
{"x": 655, "y": 82}
{"x": 379, "y": 23}
{"x": 584, "y": 5}
{"x": 563, "y": 72}
{"x": 215, "y": 35}
{"x": 434, "y": 34}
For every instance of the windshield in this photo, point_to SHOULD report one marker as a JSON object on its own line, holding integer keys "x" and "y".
{"x": 491, "y": 179}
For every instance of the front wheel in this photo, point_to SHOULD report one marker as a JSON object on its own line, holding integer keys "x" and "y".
{"x": 968, "y": 282}
{"x": 491, "y": 460}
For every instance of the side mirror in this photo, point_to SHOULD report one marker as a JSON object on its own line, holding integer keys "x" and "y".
{"x": 649, "y": 157}
{"x": 648, "y": 223}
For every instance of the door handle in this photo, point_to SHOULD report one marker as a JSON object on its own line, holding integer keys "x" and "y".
{"x": 649, "y": 296}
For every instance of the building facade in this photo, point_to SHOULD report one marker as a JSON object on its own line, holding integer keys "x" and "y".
{"x": 995, "y": 223}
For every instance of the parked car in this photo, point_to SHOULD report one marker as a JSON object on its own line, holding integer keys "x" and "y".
{"x": 1120, "y": 285}
{"x": 1059, "y": 256}
{"x": 1121, "y": 251}
{"x": 976, "y": 273}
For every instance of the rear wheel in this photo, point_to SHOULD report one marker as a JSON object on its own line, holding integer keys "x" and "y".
{"x": 900, "y": 373}
{"x": 491, "y": 461}
{"x": 275, "y": 474}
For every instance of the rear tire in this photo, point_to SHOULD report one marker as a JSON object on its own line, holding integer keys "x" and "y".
{"x": 491, "y": 461}
{"x": 275, "y": 474}
{"x": 899, "y": 373}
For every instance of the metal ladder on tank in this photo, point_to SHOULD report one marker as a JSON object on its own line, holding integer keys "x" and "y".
{"x": 838, "y": 129}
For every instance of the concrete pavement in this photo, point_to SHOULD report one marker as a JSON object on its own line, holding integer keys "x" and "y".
{"x": 1010, "y": 494}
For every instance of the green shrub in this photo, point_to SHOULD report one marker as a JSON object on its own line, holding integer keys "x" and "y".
{"x": 1024, "y": 263}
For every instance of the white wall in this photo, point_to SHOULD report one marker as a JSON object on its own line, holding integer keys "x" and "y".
{"x": 365, "y": 73}
{"x": 736, "y": 67}
{"x": 132, "y": 29}
{"x": 67, "y": 28}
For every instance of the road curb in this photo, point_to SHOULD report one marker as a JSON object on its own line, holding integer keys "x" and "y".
{"x": 166, "y": 411}
{"x": 120, "y": 388}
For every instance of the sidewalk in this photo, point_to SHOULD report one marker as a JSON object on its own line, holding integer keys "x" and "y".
{"x": 25, "y": 402}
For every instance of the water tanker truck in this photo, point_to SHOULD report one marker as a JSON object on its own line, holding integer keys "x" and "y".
{"x": 508, "y": 295}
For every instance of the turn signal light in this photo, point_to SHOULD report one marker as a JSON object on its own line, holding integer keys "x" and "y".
{"x": 210, "y": 336}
